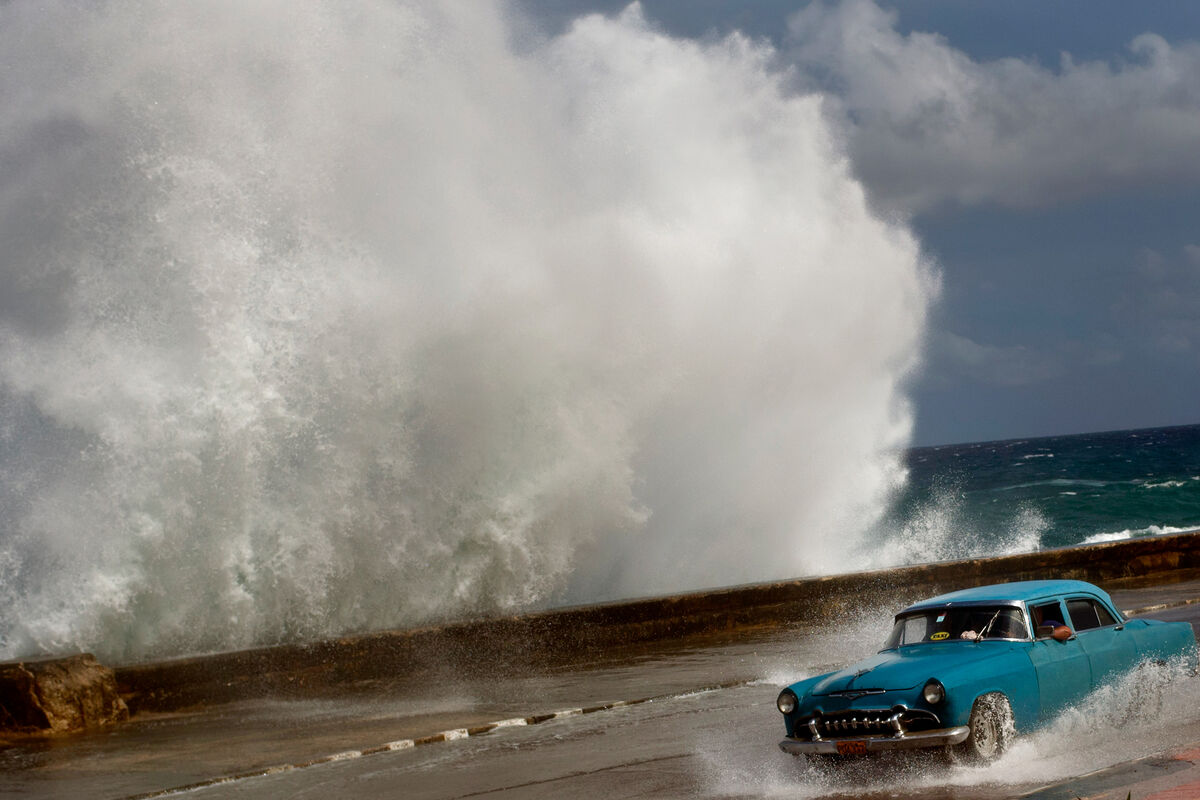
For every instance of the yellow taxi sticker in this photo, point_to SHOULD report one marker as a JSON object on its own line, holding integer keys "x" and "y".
{"x": 937, "y": 637}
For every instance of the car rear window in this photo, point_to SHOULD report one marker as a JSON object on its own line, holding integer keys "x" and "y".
{"x": 1087, "y": 614}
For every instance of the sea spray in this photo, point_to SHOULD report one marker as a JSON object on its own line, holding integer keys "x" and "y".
{"x": 321, "y": 318}
{"x": 989, "y": 498}
{"x": 945, "y": 525}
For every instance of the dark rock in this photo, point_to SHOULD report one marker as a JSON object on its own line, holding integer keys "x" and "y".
{"x": 61, "y": 695}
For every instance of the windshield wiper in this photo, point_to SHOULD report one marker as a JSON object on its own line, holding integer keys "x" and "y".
{"x": 987, "y": 628}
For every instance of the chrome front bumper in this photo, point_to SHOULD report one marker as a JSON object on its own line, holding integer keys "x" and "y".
{"x": 873, "y": 744}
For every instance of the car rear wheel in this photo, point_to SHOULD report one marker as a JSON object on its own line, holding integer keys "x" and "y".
{"x": 991, "y": 727}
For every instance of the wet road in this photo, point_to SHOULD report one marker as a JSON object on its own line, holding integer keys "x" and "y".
{"x": 696, "y": 720}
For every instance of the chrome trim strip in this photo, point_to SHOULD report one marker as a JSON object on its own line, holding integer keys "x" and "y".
{"x": 854, "y": 694}
{"x": 876, "y": 743}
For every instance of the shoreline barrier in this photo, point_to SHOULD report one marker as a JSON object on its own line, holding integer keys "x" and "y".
{"x": 575, "y": 635}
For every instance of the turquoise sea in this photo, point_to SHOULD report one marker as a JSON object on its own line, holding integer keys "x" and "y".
{"x": 1025, "y": 494}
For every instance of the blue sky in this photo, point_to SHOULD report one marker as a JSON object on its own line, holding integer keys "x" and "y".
{"x": 1047, "y": 155}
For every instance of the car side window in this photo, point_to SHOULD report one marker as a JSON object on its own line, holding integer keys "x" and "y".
{"x": 1083, "y": 614}
{"x": 1088, "y": 614}
{"x": 1046, "y": 615}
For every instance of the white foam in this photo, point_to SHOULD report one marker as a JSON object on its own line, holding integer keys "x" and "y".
{"x": 1128, "y": 533}
{"x": 341, "y": 317}
{"x": 1099, "y": 538}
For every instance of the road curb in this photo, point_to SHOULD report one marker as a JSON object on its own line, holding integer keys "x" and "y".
{"x": 1137, "y": 612}
{"x": 1174, "y": 775}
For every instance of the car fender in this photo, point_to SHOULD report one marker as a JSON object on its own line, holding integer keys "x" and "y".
{"x": 803, "y": 691}
{"x": 1009, "y": 672}
{"x": 1161, "y": 641}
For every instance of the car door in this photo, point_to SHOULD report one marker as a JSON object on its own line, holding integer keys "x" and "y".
{"x": 1110, "y": 650}
{"x": 1064, "y": 672}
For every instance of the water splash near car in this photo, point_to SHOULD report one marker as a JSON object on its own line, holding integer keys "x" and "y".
{"x": 1147, "y": 711}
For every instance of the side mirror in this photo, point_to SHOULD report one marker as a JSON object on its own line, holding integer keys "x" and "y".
{"x": 1062, "y": 633}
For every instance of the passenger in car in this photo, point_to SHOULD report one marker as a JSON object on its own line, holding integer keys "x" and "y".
{"x": 1045, "y": 620}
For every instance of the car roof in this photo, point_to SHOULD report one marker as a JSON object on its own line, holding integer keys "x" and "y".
{"x": 1013, "y": 592}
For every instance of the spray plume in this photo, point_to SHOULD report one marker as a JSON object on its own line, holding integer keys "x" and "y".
{"x": 324, "y": 317}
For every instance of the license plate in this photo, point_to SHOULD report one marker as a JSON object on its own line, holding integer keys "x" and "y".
{"x": 852, "y": 748}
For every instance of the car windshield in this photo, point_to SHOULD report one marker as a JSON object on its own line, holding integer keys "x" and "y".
{"x": 947, "y": 623}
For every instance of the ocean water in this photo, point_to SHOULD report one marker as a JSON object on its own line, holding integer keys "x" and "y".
{"x": 1024, "y": 494}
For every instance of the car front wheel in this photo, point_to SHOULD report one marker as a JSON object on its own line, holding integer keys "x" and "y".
{"x": 991, "y": 727}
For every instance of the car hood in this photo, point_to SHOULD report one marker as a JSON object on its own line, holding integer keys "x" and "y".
{"x": 905, "y": 667}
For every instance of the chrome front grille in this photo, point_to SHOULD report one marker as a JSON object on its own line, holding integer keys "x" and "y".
{"x": 861, "y": 722}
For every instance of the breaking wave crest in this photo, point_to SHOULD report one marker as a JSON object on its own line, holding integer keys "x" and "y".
{"x": 1152, "y": 530}
{"x": 320, "y": 318}
{"x": 942, "y": 528}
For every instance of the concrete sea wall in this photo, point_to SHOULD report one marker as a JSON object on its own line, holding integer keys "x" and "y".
{"x": 574, "y": 635}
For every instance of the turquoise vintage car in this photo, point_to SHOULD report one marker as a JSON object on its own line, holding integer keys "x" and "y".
{"x": 968, "y": 669}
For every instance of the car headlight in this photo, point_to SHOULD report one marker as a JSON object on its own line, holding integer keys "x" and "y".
{"x": 786, "y": 702}
{"x": 933, "y": 692}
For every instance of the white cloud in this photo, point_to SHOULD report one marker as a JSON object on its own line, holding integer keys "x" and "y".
{"x": 1162, "y": 301}
{"x": 1014, "y": 365}
{"x": 928, "y": 125}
